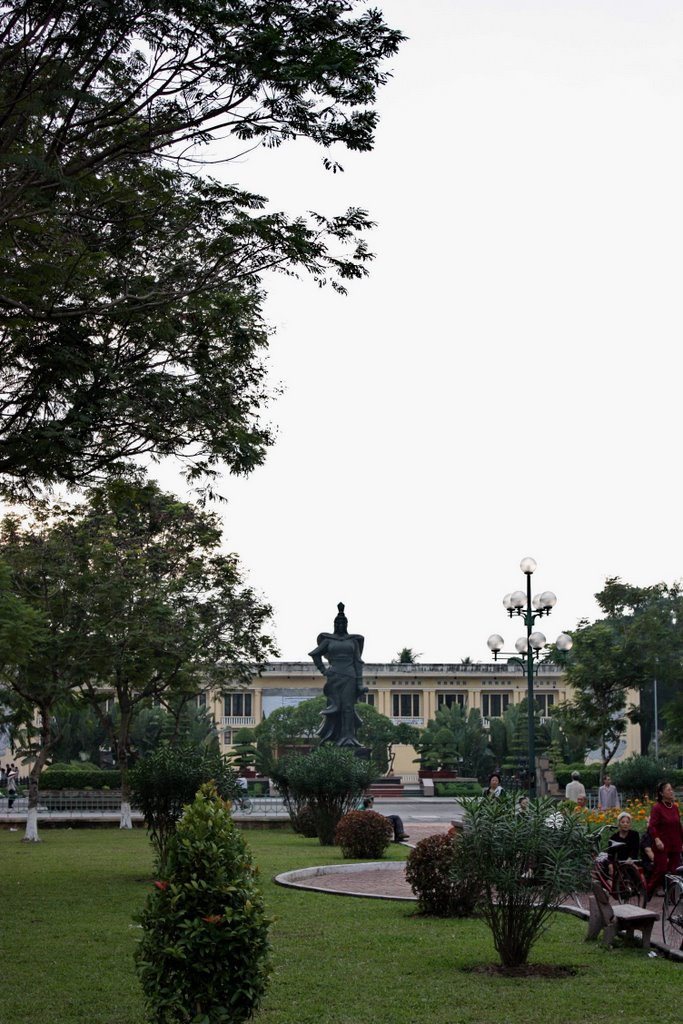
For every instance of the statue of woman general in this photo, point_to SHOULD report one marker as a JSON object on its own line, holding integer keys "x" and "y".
{"x": 343, "y": 682}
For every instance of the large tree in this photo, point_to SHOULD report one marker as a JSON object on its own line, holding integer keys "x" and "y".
{"x": 41, "y": 684}
{"x": 130, "y": 303}
{"x": 638, "y": 640}
{"x": 156, "y": 609}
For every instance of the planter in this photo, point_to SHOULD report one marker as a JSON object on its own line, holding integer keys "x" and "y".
{"x": 437, "y": 773}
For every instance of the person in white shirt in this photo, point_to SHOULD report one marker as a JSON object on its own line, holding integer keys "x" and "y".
{"x": 574, "y": 789}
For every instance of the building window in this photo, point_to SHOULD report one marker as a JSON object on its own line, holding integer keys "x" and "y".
{"x": 367, "y": 698}
{"x": 237, "y": 705}
{"x": 544, "y": 702}
{"x": 449, "y": 700}
{"x": 493, "y": 705}
{"x": 406, "y": 705}
{"x": 227, "y": 737}
{"x": 200, "y": 700}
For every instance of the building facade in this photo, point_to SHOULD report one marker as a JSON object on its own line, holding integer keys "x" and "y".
{"x": 409, "y": 693}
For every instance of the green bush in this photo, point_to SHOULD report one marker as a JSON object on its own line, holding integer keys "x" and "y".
{"x": 590, "y": 774}
{"x": 204, "y": 955}
{"x": 523, "y": 866}
{"x": 74, "y": 777}
{"x": 456, "y": 789}
{"x": 363, "y": 834}
{"x": 167, "y": 778}
{"x": 330, "y": 780}
{"x": 638, "y": 775}
{"x": 429, "y": 873}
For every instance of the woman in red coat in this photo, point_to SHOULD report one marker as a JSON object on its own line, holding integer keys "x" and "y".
{"x": 667, "y": 833}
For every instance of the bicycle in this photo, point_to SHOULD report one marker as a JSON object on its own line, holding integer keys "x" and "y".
{"x": 244, "y": 804}
{"x": 672, "y": 910}
{"x": 625, "y": 882}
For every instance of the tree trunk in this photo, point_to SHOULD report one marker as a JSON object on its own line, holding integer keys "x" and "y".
{"x": 46, "y": 739}
{"x": 126, "y": 820}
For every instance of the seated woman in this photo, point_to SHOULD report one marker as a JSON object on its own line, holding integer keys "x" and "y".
{"x": 625, "y": 843}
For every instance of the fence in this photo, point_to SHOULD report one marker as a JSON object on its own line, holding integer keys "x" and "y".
{"x": 100, "y": 804}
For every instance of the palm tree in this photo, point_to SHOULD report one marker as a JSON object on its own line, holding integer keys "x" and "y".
{"x": 406, "y": 656}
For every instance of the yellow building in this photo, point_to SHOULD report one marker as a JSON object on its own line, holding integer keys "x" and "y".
{"x": 410, "y": 693}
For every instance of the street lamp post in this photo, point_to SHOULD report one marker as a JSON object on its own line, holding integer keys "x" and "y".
{"x": 529, "y": 647}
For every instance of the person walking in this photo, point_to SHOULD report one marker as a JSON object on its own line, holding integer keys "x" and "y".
{"x": 666, "y": 830}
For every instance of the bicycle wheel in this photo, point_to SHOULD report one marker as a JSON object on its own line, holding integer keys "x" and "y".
{"x": 628, "y": 886}
{"x": 247, "y": 805}
{"x": 672, "y": 916}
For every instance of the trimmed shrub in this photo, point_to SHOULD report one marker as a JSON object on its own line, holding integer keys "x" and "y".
{"x": 590, "y": 774}
{"x": 74, "y": 777}
{"x": 363, "y": 834}
{"x": 455, "y": 789}
{"x": 428, "y": 871}
{"x": 330, "y": 780}
{"x": 167, "y": 779}
{"x": 204, "y": 955}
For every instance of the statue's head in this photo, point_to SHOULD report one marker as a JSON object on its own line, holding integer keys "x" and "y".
{"x": 341, "y": 622}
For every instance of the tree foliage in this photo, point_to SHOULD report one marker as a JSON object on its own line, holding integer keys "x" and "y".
{"x": 455, "y": 739}
{"x": 49, "y": 637}
{"x": 151, "y": 607}
{"x": 131, "y": 303}
{"x": 169, "y": 777}
{"x": 638, "y": 640}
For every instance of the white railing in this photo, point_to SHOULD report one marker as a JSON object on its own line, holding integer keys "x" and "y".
{"x": 240, "y": 721}
{"x": 419, "y": 722}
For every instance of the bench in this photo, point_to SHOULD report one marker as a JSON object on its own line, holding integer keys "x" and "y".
{"x": 617, "y": 919}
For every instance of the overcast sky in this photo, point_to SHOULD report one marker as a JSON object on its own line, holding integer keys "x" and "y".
{"x": 507, "y": 382}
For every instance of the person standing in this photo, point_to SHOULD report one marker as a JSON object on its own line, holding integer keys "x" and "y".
{"x": 608, "y": 798}
{"x": 494, "y": 788}
{"x": 12, "y": 779}
{"x": 574, "y": 789}
{"x": 667, "y": 832}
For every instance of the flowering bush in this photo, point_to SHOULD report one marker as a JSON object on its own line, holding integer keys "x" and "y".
{"x": 204, "y": 955}
{"x": 428, "y": 871}
{"x": 638, "y": 809}
{"x": 363, "y": 834}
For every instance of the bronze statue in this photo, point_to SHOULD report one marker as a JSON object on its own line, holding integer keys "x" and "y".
{"x": 343, "y": 682}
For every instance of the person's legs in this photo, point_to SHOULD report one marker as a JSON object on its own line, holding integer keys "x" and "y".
{"x": 397, "y": 824}
{"x": 659, "y": 868}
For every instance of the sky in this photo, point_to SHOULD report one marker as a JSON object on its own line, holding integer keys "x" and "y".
{"x": 507, "y": 381}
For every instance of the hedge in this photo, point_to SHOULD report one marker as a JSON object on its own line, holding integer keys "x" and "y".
{"x": 454, "y": 789}
{"x": 67, "y": 777}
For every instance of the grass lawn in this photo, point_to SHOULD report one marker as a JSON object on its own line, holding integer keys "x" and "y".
{"x": 67, "y": 943}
